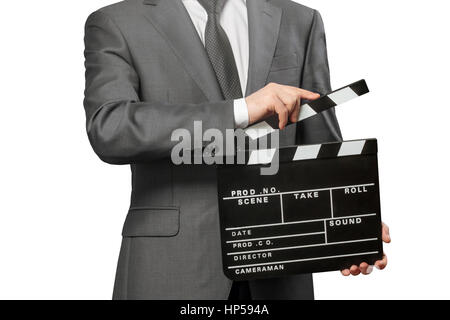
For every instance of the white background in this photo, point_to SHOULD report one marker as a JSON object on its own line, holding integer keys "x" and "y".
{"x": 62, "y": 209}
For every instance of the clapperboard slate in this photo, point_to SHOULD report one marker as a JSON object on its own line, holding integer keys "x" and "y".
{"x": 320, "y": 212}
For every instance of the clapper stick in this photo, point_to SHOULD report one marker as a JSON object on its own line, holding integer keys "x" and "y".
{"x": 310, "y": 109}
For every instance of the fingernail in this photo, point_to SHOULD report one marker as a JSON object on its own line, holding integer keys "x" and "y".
{"x": 369, "y": 269}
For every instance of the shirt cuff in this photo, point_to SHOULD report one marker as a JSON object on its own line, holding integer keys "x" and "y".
{"x": 240, "y": 114}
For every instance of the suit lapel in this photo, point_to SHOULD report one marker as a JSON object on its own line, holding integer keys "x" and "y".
{"x": 172, "y": 20}
{"x": 264, "y": 25}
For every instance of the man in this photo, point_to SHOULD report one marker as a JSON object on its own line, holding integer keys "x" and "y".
{"x": 154, "y": 66}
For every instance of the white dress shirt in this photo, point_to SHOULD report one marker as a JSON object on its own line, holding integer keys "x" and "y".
{"x": 234, "y": 22}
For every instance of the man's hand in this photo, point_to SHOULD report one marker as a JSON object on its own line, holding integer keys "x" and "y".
{"x": 364, "y": 268}
{"x": 277, "y": 99}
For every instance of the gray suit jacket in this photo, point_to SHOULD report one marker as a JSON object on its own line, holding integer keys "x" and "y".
{"x": 147, "y": 73}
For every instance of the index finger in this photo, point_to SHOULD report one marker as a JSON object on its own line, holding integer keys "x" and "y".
{"x": 302, "y": 93}
{"x": 381, "y": 264}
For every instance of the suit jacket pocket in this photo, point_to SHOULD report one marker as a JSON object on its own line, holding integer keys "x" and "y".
{"x": 152, "y": 222}
{"x": 287, "y": 61}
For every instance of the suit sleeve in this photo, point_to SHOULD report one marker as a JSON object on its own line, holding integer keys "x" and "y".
{"x": 316, "y": 77}
{"x": 121, "y": 128}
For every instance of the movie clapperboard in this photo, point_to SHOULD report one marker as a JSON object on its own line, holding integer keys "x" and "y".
{"x": 320, "y": 212}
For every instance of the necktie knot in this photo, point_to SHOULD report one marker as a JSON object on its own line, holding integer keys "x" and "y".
{"x": 212, "y": 6}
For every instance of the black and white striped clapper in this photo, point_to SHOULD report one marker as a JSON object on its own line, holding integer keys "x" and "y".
{"x": 311, "y": 108}
{"x": 320, "y": 212}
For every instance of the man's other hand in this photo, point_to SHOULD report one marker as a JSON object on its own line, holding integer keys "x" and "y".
{"x": 364, "y": 267}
